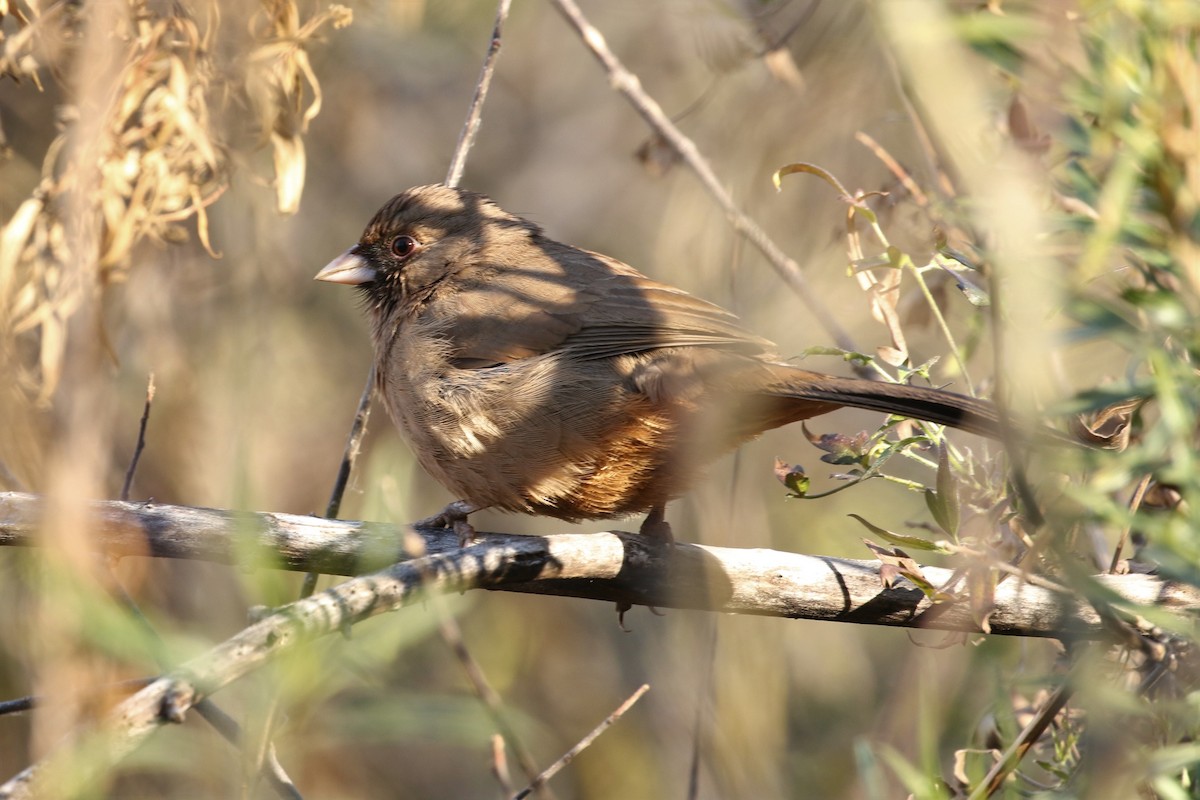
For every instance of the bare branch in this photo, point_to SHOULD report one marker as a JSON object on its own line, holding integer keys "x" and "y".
{"x": 475, "y": 113}
{"x": 141, "y": 440}
{"x": 630, "y": 87}
{"x": 583, "y": 744}
{"x": 608, "y": 566}
{"x": 616, "y": 566}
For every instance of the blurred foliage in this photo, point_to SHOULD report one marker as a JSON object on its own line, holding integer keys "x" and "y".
{"x": 149, "y": 148}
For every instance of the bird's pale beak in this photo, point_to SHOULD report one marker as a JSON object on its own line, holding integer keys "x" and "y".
{"x": 349, "y": 268}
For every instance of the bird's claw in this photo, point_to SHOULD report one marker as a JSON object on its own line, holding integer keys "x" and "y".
{"x": 454, "y": 517}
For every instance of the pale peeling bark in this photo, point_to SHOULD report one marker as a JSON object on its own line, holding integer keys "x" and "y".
{"x": 601, "y": 566}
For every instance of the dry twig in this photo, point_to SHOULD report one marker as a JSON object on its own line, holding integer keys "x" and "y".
{"x": 584, "y": 743}
{"x": 628, "y": 85}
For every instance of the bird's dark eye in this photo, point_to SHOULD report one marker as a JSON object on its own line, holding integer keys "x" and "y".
{"x": 403, "y": 246}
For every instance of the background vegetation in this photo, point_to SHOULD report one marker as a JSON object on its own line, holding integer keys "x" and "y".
{"x": 174, "y": 174}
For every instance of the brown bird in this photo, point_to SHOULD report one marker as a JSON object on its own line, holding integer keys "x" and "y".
{"x": 532, "y": 376}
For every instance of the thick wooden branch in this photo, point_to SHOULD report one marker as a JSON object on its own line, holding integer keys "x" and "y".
{"x": 603, "y": 566}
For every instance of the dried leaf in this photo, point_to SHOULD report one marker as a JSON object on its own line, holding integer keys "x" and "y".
{"x": 896, "y": 562}
{"x": 972, "y": 765}
{"x": 857, "y": 205}
{"x": 657, "y": 156}
{"x": 13, "y": 240}
{"x": 782, "y": 67}
{"x": 1023, "y": 130}
{"x": 981, "y": 591}
{"x": 289, "y": 172}
{"x": 891, "y": 355}
{"x": 841, "y": 449}
{"x": 792, "y": 476}
{"x": 1109, "y": 427}
{"x": 1162, "y": 496}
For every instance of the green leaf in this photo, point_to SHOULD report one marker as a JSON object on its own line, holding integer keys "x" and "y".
{"x": 905, "y": 539}
{"x": 944, "y": 503}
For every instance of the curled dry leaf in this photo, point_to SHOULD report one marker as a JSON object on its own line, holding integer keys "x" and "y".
{"x": 971, "y": 765}
{"x": 792, "y": 476}
{"x": 280, "y": 78}
{"x": 840, "y": 448}
{"x": 1109, "y": 427}
{"x": 1163, "y": 497}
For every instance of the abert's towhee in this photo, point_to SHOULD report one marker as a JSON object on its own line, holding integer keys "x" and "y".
{"x": 532, "y": 376}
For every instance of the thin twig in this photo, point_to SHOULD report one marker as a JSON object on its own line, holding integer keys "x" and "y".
{"x": 1011, "y": 569}
{"x": 703, "y": 705}
{"x": 568, "y": 756}
{"x": 358, "y": 429}
{"x": 930, "y": 148}
{"x": 20, "y": 705}
{"x": 1135, "y": 502}
{"x": 450, "y": 631}
{"x": 628, "y": 85}
{"x": 475, "y": 113}
{"x": 141, "y": 440}
{"x": 268, "y": 767}
{"x": 1012, "y": 756}
{"x": 500, "y": 765}
{"x": 452, "y": 636}
{"x": 263, "y": 761}
{"x": 901, "y": 174}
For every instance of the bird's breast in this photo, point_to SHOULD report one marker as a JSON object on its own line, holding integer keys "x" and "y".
{"x": 547, "y": 434}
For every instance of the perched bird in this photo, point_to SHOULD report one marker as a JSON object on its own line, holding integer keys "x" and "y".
{"x": 532, "y": 376}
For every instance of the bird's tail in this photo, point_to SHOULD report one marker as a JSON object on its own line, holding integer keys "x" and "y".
{"x": 807, "y": 394}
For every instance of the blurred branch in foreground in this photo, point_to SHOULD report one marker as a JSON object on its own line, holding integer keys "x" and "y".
{"x": 599, "y": 566}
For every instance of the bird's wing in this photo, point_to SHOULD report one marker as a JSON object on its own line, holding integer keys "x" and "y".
{"x": 588, "y": 304}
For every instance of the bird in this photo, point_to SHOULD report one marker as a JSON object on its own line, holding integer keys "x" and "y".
{"x": 532, "y": 376}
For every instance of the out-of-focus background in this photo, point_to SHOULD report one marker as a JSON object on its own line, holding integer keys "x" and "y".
{"x": 258, "y": 370}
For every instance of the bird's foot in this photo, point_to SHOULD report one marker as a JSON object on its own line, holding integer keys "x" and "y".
{"x": 656, "y": 527}
{"x": 453, "y": 516}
